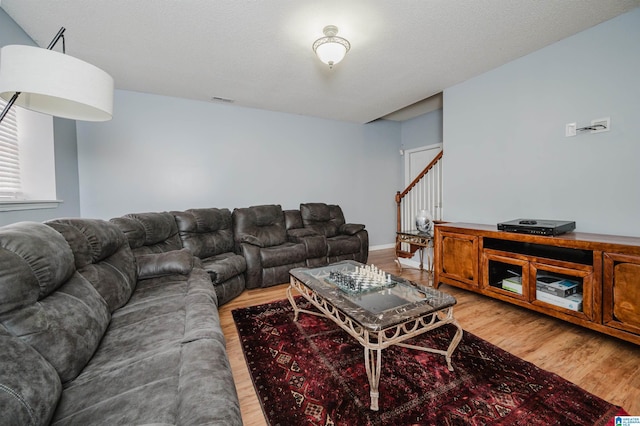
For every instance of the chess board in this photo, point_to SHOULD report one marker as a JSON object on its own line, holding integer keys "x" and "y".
{"x": 359, "y": 282}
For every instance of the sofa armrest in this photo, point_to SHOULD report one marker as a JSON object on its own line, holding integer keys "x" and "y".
{"x": 351, "y": 228}
{"x": 29, "y": 386}
{"x": 169, "y": 263}
{"x": 253, "y": 273}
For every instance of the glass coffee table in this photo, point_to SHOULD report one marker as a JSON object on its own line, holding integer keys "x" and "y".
{"x": 377, "y": 310}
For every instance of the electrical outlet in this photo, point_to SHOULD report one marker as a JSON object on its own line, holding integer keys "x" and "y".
{"x": 606, "y": 122}
{"x": 570, "y": 130}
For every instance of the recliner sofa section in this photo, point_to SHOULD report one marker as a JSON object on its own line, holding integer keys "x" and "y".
{"x": 261, "y": 237}
{"x": 254, "y": 246}
{"x": 208, "y": 234}
{"x": 345, "y": 241}
{"x": 274, "y": 241}
{"x": 95, "y": 332}
{"x": 315, "y": 243}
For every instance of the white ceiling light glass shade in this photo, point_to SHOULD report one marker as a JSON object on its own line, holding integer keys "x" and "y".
{"x": 331, "y": 48}
{"x": 55, "y": 83}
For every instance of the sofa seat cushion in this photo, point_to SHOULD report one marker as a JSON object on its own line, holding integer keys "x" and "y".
{"x": 192, "y": 385}
{"x": 194, "y": 296}
{"x": 206, "y": 381}
{"x": 124, "y": 394}
{"x": 142, "y": 328}
{"x": 224, "y": 266}
{"x": 145, "y": 368}
{"x": 298, "y": 235}
{"x": 316, "y": 246}
{"x": 284, "y": 254}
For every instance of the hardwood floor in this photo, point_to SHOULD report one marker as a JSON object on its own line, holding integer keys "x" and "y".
{"x": 602, "y": 365}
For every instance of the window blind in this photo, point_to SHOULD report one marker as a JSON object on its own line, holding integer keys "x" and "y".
{"x": 10, "y": 186}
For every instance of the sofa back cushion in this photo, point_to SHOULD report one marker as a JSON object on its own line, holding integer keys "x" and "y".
{"x": 326, "y": 219}
{"x": 262, "y": 226}
{"x": 45, "y": 302}
{"x": 293, "y": 219}
{"x": 102, "y": 256}
{"x": 150, "y": 232}
{"x": 205, "y": 232}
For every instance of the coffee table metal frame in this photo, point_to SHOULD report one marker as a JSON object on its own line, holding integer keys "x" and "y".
{"x": 373, "y": 340}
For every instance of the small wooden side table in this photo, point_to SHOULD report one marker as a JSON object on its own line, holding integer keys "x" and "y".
{"x": 417, "y": 241}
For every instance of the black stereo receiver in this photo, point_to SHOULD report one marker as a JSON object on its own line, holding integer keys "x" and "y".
{"x": 537, "y": 226}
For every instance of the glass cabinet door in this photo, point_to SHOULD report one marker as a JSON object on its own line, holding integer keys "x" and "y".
{"x": 565, "y": 289}
{"x": 508, "y": 276}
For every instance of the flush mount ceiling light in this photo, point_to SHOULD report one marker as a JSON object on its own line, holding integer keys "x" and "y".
{"x": 54, "y": 83}
{"x": 331, "y": 48}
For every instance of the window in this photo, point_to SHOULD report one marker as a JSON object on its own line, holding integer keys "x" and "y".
{"x": 27, "y": 161}
{"x": 10, "y": 186}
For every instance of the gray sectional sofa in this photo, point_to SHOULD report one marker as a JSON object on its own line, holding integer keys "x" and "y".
{"x": 116, "y": 322}
{"x": 93, "y": 334}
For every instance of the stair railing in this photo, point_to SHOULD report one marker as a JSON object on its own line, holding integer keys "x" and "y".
{"x": 423, "y": 193}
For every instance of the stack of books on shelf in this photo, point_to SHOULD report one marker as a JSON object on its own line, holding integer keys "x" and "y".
{"x": 513, "y": 284}
{"x": 560, "y": 292}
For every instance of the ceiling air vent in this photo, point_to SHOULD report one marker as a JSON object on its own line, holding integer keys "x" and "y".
{"x": 219, "y": 99}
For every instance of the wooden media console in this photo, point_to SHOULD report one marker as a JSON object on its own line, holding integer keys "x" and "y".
{"x": 592, "y": 280}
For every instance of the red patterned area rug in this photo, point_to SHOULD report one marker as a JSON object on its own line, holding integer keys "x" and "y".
{"x": 311, "y": 372}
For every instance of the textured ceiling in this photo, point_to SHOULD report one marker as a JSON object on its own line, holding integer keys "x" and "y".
{"x": 258, "y": 54}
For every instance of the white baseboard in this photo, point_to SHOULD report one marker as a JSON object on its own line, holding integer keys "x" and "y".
{"x": 409, "y": 263}
{"x": 382, "y": 247}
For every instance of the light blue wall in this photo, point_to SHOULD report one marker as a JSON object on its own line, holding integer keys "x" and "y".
{"x": 64, "y": 146}
{"x": 420, "y": 131}
{"x": 161, "y": 153}
{"x": 423, "y": 130}
{"x": 506, "y": 155}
